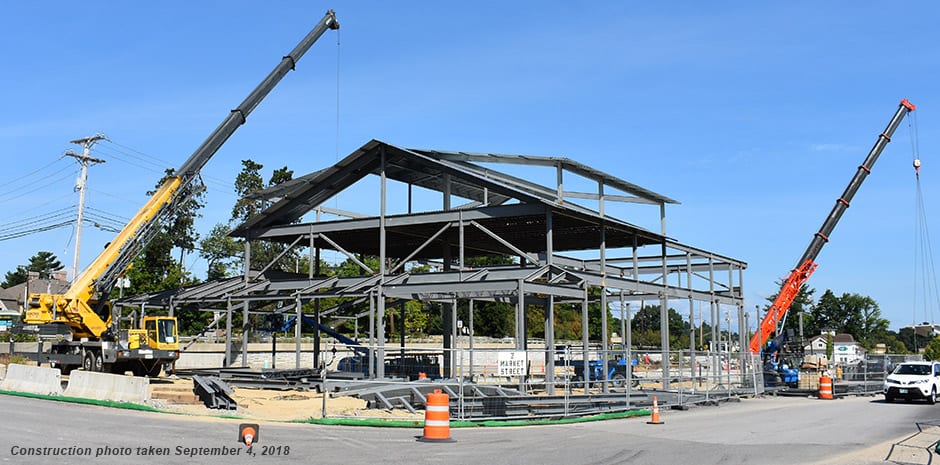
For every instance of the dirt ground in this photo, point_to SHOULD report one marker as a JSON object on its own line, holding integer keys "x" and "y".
{"x": 176, "y": 395}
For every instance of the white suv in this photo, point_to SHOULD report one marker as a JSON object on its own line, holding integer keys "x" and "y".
{"x": 913, "y": 380}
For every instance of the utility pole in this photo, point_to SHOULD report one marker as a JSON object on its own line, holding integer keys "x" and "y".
{"x": 85, "y": 160}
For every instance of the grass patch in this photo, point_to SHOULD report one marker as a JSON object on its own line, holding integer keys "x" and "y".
{"x": 379, "y": 422}
{"x": 82, "y": 400}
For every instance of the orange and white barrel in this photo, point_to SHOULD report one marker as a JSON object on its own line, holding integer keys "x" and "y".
{"x": 825, "y": 387}
{"x": 437, "y": 417}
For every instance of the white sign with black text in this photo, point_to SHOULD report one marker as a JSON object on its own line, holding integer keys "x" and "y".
{"x": 511, "y": 363}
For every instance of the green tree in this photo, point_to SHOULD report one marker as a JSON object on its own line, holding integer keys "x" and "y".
{"x": 489, "y": 260}
{"x": 13, "y": 278}
{"x": 893, "y": 344}
{"x": 493, "y": 319}
{"x": 874, "y": 328}
{"x": 932, "y": 351}
{"x": 45, "y": 263}
{"x": 416, "y": 318}
{"x": 221, "y": 252}
{"x": 911, "y": 341}
{"x": 248, "y": 182}
{"x": 849, "y": 313}
{"x": 280, "y": 175}
{"x": 647, "y": 332}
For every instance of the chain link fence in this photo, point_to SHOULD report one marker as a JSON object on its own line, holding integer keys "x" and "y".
{"x": 866, "y": 375}
{"x": 498, "y": 383}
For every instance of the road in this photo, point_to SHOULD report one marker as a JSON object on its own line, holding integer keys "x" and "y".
{"x": 858, "y": 430}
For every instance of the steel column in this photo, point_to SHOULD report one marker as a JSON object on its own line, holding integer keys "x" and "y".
{"x": 298, "y": 324}
{"x": 585, "y": 341}
{"x": 228, "y": 333}
{"x": 470, "y": 323}
{"x": 380, "y": 298}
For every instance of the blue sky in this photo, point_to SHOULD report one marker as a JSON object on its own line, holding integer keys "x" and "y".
{"x": 753, "y": 115}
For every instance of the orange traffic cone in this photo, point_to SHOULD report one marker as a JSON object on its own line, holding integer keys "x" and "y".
{"x": 248, "y": 433}
{"x": 655, "y": 418}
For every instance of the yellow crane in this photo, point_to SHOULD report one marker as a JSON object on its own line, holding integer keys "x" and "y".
{"x": 85, "y": 331}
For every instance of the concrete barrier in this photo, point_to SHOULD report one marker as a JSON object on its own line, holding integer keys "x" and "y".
{"x": 200, "y": 359}
{"x": 105, "y": 386}
{"x": 35, "y": 380}
{"x": 3, "y": 372}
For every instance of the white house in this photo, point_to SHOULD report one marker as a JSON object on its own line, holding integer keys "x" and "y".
{"x": 845, "y": 350}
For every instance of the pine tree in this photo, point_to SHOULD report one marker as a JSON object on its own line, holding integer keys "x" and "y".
{"x": 45, "y": 263}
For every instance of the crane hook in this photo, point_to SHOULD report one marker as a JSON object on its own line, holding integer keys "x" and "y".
{"x": 917, "y": 167}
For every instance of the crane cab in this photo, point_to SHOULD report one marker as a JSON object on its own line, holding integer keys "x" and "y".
{"x": 158, "y": 333}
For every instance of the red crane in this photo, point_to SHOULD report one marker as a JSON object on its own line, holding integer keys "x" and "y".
{"x": 772, "y": 323}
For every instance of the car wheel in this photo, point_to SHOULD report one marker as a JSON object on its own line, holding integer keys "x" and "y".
{"x": 618, "y": 380}
{"x": 933, "y": 396}
{"x": 889, "y": 399}
{"x": 576, "y": 380}
{"x": 154, "y": 370}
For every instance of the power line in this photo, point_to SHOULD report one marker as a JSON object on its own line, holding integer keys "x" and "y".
{"x": 105, "y": 217}
{"x": 57, "y": 200}
{"x": 46, "y": 182}
{"x": 30, "y": 226}
{"x": 123, "y": 198}
{"x": 114, "y": 216}
{"x": 116, "y": 155}
{"x": 22, "y": 179}
{"x": 27, "y": 229}
{"x": 153, "y": 161}
{"x": 13, "y": 235}
{"x": 156, "y": 162}
{"x": 33, "y": 219}
{"x": 157, "y": 168}
{"x": 102, "y": 224}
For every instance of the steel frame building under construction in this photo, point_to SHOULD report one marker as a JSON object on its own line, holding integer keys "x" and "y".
{"x": 481, "y": 212}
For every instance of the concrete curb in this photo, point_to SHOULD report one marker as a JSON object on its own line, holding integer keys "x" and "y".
{"x": 36, "y": 380}
{"x": 106, "y": 386}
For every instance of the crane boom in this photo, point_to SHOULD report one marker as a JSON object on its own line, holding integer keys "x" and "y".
{"x": 78, "y": 307}
{"x": 776, "y": 314}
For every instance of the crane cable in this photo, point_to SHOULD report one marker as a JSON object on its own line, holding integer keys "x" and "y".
{"x": 336, "y": 138}
{"x": 924, "y": 269}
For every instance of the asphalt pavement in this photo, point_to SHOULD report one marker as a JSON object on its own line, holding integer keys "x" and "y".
{"x": 770, "y": 430}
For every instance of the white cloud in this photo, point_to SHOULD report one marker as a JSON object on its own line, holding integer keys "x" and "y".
{"x": 832, "y": 148}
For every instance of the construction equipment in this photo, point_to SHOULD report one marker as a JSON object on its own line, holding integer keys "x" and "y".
{"x": 781, "y": 367}
{"x": 618, "y": 370}
{"x": 772, "y": 323}
{"x": 403, "y": 364}
{"x": 87, "y": 332}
